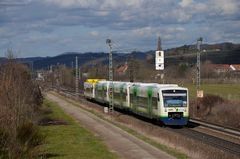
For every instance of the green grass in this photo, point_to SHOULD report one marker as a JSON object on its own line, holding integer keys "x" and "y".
{"x": 227, "y": 91}
{"x": 71, "y": 141}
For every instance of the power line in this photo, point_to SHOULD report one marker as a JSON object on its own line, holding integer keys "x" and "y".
{"x": 110, "y": 76}
{"x": 199, "y": 42}
{"x": 76, "y": 77}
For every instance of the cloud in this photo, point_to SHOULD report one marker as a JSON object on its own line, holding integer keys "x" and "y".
{"x": 11, "y": 3}
{"x": 100, "y": 4}
{"x": 224, "y": 7}
{"x": 94, "y": 33}
{"x": 55, "y": 25}
{"x": 185, "y": 3}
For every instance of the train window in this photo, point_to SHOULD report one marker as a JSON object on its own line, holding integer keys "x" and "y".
{"x": 117, "y": 96}
{"x": 143, "y": 102}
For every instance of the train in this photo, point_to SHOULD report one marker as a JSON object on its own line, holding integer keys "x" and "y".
{"x": 167, "y": 103}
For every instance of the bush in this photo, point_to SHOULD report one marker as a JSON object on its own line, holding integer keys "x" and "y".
{"x": 210, "y": 100}
{"x": 29, "y": 139}
{"x": 226, "y": 113}
{"x": 215, "y": 109}
{"x": 20, "y": 100}
{"x": 4, "y": 138}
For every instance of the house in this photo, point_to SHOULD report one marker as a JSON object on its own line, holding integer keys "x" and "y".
{"x": 235, "y": 67}
{"x": 121, "y": 70}
{"x": 224, "y": 68}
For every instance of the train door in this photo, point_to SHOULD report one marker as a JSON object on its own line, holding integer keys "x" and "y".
{"x": 135, "y": 99}
{"x": 159, "y": 104}
{"x": 149, "y": 95}
{"x": 128, "y": 96}
{"x": 102, "y": 93}
{"x": 121, "y": 95}
{"x": 93, "y": 90}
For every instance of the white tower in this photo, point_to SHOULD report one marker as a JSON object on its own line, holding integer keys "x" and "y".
{"x": 159, "y": 56}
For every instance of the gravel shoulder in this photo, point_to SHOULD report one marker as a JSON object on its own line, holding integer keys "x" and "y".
{"x": 122, "y": 143}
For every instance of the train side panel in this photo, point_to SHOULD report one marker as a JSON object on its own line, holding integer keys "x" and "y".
{"x": 167, "y": 103}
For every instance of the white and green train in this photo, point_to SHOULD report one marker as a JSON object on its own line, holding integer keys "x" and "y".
{"x": 168, "y": 103}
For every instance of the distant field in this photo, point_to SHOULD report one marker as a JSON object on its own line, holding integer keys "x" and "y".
{"x": 227, "y": 91}
{"x": 71, "y": 141}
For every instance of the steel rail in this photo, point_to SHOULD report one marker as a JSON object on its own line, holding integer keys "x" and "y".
{"x": 217, "y": 127}
{"x": 219, "y": 143}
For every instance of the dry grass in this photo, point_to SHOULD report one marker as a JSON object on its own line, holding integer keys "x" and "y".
{"x": 226, "y": 113}
{"x": 215, "y": 109}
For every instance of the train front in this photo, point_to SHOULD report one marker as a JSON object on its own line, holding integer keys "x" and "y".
{"x": 175, "y": 106}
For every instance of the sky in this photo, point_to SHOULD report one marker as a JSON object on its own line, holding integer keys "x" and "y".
{"x": 51, "y": 27}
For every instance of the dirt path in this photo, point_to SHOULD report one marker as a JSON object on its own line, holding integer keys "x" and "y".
{"x": 119, "y": 141}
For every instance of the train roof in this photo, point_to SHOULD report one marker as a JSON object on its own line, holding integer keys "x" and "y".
{"x": 156, "y": 85}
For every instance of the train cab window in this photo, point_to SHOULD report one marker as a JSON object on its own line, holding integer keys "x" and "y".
{"x": 175, "y": 99}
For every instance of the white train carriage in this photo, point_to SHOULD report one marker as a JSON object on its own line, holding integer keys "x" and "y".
{"x": 165, "y": 102}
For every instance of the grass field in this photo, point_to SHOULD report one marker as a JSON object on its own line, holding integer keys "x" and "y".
{"x": 227, "y": 91}
{"x": 71, "y": 141}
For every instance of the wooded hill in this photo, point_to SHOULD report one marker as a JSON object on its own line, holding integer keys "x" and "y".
{"x": 224, "y": 53}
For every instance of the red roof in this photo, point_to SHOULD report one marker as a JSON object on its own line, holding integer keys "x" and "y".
{"x": 220, "y": 66}
{"x": 236, "y": 66}
{"x": 225, "y": 67}
{"x": 122, "y": 69}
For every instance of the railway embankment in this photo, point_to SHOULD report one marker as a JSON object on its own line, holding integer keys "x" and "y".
{"x": 159, "y": 136}
{"x": 117, "y": 140}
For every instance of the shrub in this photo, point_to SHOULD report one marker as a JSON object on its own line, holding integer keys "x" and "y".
{"x": 215, "y": 109}
{"x": 226, "y": 113}
{"x": 20, "y": 99}
{"x": 210, "y": 100}
{"x": 4, "y": 138}
{"x": 29, "y": 138}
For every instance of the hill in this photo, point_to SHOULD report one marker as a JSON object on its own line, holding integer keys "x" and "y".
{"x": 223, "y": 53}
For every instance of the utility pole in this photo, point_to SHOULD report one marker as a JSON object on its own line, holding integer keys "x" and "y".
{"x": 199, "y": 92}
{"x": 110, "y": 76}
{"x": 80, "y": 79}
{"x": 199, "y": 43}
{"x": 76, "y": 76}
{"x": 57, "y": 77}
{"x": 131, "y": 67}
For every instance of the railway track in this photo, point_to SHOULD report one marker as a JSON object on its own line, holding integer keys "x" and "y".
{"x": 219, "y": 143}
{"x": 216, "y": 127}
{"x": 214, "y": 141}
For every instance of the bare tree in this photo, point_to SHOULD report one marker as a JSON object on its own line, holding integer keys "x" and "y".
{"x": 20, "y": 98}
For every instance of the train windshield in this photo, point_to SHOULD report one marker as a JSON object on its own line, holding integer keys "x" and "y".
{"x": 175, "y": 98}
